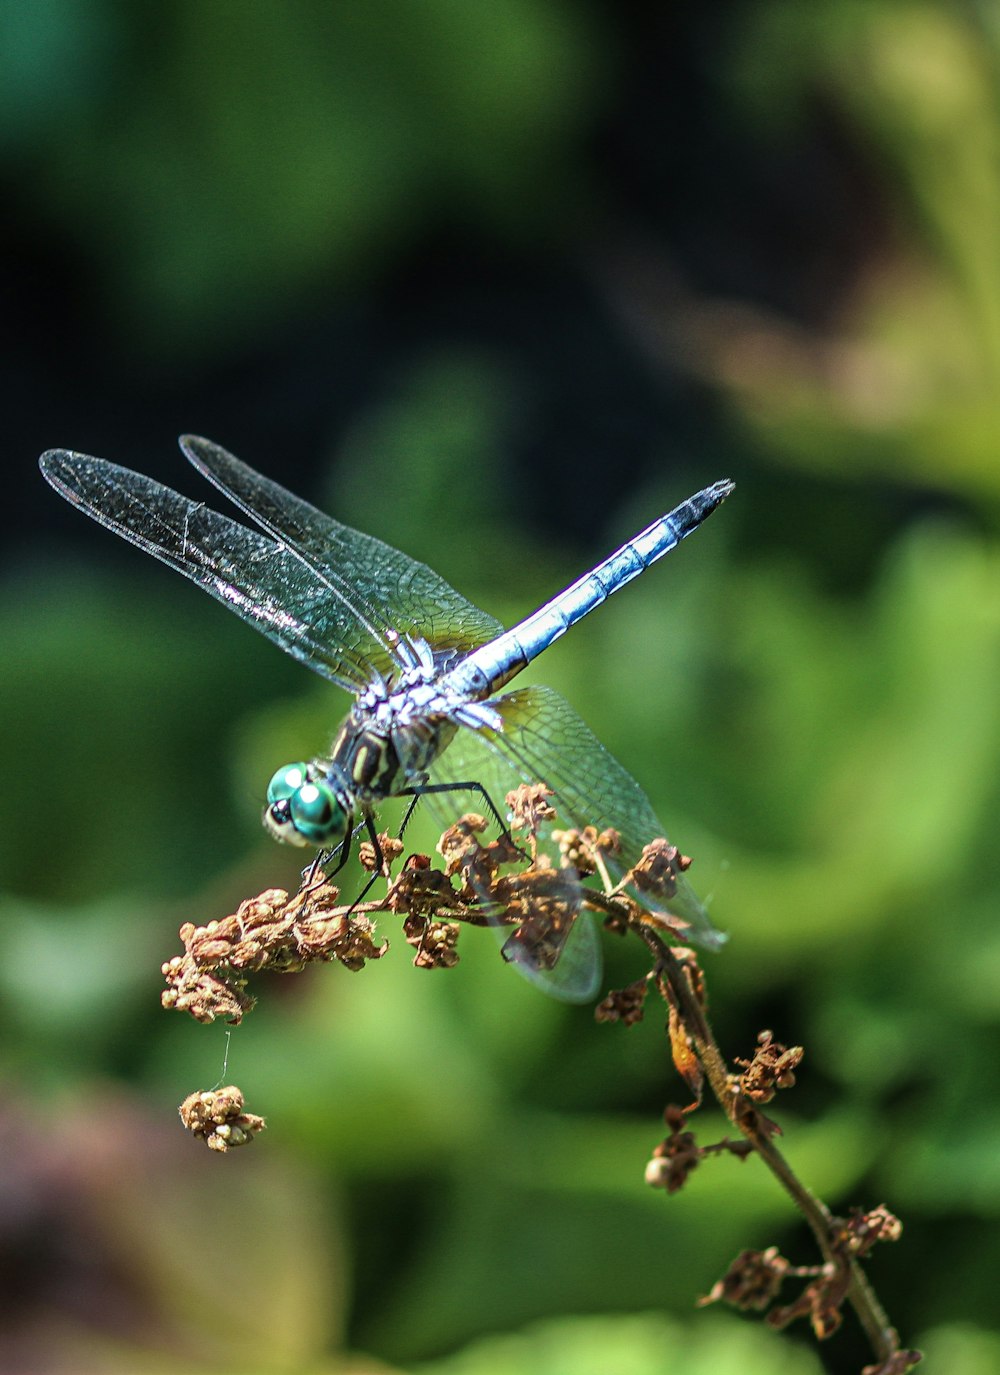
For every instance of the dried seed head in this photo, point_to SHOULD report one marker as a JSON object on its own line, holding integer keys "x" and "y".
{"x": 217, "y": 1117}
{"x": 624, "y": 1004}
{"x": 657, "y": 869}
{"x": 433, "y": 941}
{"x": 676, "y": 1156}
{"x": 530, "y": 807}
{"x": 272, "y": 931}
{"x": 772, "y": 1067}
{"x": 752, "y": 1281}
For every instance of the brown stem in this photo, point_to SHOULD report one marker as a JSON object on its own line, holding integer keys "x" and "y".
{"x": 745, "y": 1118}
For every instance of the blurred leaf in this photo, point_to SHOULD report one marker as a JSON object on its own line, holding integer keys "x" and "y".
{"x": 53, "y": 56}
{"x": 904, "y": 379}
{"x": 639, "y": 1345}
{"x": 238, "y": 1267}
{"x": 120, "y": 761}
{"x": 965, "y": 1348}
{"x": 311, "y": 139}
{"x": 71, "y": 981}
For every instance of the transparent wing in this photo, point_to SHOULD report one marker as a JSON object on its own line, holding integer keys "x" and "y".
{"x": 260, "y": 580}
{"x": 546, "y": 739}
{"x": 334, "y": 598}
{"x": 473, "y": 757}
{"x": 386, "y": 588}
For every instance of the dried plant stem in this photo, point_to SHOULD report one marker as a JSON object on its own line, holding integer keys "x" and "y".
{"x": 745, "y": 1117}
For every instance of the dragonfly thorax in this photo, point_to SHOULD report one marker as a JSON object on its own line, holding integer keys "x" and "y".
{"x": 383, "y": 748}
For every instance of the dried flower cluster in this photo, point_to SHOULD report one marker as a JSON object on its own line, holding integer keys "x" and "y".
{"x": 218, "y": 1118}
{"x": 513, "y": 882}
{"x": 538, "y": 900}
{"x": 772, "y": 1067}
{"x": 755, "y": 1278}
{"x": 272, "y": 931}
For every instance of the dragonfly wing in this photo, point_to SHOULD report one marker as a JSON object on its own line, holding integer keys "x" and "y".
{"x": 473, "y": 757}
{"x": 259, "y": 579}
{"x": 387, "y": 589}
{"x": 552, "y": 744}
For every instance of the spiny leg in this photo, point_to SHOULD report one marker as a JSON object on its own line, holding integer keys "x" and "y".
{"x": 424, "y": 789}
{"x": 323, "y": 857}
{"x": 380, "y": 870}
{"x": 415, "y": 794}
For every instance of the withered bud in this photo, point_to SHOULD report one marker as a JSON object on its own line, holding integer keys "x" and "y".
{"x": 752, "y": 1281}
{"x": 217, "y": 1117}
{"x": 461, "y": 848}
{"x": 657, "y": 869}
{"x": 391, "y": 847}
{"x": 863, "y": 1231}
{"x": 433, "y": 941}
{"x": 676, "y": 1156}
{"x": 529, "y": 807}
{"x": 772, "y": 1067}
{"x": 624, "y": 1004}
{"x": 581, "y": 849}
{"x": 820, "y": 1302}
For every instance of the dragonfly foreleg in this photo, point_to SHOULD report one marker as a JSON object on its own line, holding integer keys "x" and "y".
{"x": 323, "y": 858}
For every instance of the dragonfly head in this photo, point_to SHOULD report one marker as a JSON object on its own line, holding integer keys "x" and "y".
{"x": 303, "y": 808}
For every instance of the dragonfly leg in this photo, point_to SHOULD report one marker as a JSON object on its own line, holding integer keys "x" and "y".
{"x": 409, "y": 812}
{"x": 423, "y": 789}
{"x": 380, "y": 864}
{"x": 415, "y": 794}
{"x": 323, "y": 858}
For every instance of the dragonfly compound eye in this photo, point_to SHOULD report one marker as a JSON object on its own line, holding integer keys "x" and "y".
{"x": 302, "y": 808}
{"x": 316, "y": 814}
{"x": 286, "y": 782}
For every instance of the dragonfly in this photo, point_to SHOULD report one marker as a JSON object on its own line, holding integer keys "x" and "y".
{"x": 427, "y": 669}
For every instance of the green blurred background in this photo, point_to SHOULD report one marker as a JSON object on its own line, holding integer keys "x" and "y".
{"x": 500, "y": 283}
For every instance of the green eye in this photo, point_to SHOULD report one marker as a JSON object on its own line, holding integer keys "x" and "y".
{"x": 286, "y": 782}
{"x": 317, "y": 814}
